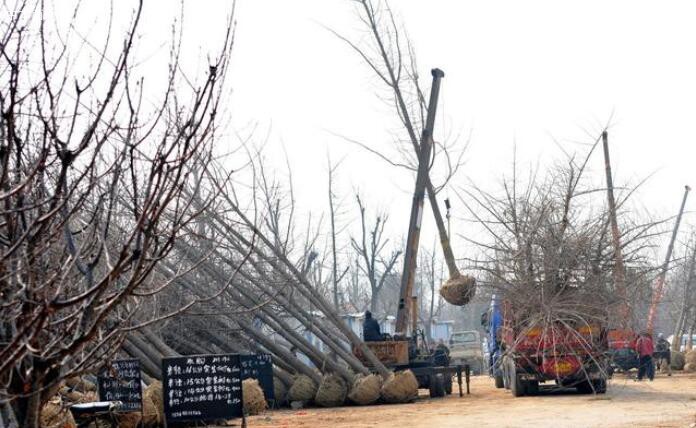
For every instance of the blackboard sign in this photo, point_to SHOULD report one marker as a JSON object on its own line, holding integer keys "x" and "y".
{"x": 259, "y": 367}
{"x": 120, "y": 381}
{"x": 202, "y": 387}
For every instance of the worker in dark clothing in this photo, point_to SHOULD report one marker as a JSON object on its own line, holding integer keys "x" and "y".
{"x": 644, "y": 348}
{"x": 371, "y": 331}
{"x": 663, "y": 354}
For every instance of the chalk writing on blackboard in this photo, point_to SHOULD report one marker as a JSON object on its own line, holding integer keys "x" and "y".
{"x": 202, "y": 387}
{"x": 120, "y": 381}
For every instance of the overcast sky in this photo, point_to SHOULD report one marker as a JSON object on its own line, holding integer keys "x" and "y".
{"x": 526, "y": 73}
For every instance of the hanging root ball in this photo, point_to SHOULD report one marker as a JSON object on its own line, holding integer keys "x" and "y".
{"x": 280, "y": 391}
{"x": 690, "y": 367}
{"x": 154, "y": 393}
{"x": 690, "y": 357}
{"x": 252, "y": 394}
{"x": 303, "y": 389}
{"x": 365, "y": 390}
{"x": 401, "y": 387}
{"x": 56, "y": 415}
{"x": 677, "y": 361}
{"x": 458, "y": 290}
{"x": 332, "y": 391}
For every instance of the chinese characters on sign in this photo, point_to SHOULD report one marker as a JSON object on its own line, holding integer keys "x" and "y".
{"x": 259, "y": 367}
{"x": 202, "y": 387}
{"x": 120, "y": 381}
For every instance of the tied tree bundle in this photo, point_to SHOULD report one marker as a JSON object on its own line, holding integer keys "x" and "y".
{"x": 677, "y": 360}
{"x": 254, "y": 400}
{"x": 303, "y": 389}
{"x": 690, "y": 357}
{"x": 458, "y": 290}
{"x": 365, "y": 390}
{"x": 332, "y": 391}
{"x": 401, "y": 387}
{"x": 280, "y": 391}
{"x": 153, "y": 395}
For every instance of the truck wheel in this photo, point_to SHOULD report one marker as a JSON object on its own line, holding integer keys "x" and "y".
{"x": 600, "y": 386}
{"x": 517, "y": 386}
{"x": 437, "y": 387}
{"x": 499, "y": 381}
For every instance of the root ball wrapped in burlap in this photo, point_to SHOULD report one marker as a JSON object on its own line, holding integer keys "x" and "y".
{"x": 128, "y": 420}
{"x": 677, "y": 360}
{"x": 459, "y": 290}
{"x": 253, "y": 398}
{"x": 55, "y": 414}
{"x": 690, "y": 357}
{"x": 332, "y": 391}
{"x": 153, "y": 393}
{"x": 690, "y": 367}
{"x": 365, "y": 389}
{"x": 303, "y": 389}
{"x": 280, "y": 391}
{"x": 401, "y": 387}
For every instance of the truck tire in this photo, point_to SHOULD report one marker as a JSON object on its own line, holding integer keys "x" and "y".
{"x": 600, "y": 386}
{"x": 437, "y": 387}
{"x": 517, "y": 386}
{"x": 499, "y": 381}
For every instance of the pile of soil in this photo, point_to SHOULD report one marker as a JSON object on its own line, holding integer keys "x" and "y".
{"x": 458, "y": 290}
{"x": 365, "y": 390}
{"x": 332, "y": 391}
{"x": 678, "y": 360}
{"x": 401, "y": 387}
{"x": 253, "y": 398}
{"x": 303, "y": 389}
{"x": 280, "y": 391}
{"x": 55, "y": 414}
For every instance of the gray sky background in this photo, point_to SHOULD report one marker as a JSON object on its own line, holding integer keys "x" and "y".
{"x": 526, "y": 73}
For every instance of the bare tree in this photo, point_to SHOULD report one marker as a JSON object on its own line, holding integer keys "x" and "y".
{"x": 92, "y": 194}
{"x": 370, "y": 246}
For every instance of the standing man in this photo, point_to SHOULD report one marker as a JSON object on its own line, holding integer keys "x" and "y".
{"x": 645, "y": 349}
{"x": 371, "y": 331}
{"x": 663, "y": 354}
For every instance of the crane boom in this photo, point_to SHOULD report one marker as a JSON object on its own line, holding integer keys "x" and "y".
{"x": 414, "y": 225}
{"x": 660, "y": 282}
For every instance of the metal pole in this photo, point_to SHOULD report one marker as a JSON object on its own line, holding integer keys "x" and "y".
{"x": 410, "y": 257}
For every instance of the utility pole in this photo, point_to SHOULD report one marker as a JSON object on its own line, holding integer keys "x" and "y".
{"x": 414, "y": 226}
{"x": 619, "y": 268}
{"x": 660, "y": 282}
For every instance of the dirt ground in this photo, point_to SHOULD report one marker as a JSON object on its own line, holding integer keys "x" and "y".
{"x": 665, "y": 402}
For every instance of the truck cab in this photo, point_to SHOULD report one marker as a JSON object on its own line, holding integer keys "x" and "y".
{"x": 465, "y": 348}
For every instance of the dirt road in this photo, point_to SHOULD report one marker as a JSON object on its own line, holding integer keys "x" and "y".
{"x": 666, "y": 402}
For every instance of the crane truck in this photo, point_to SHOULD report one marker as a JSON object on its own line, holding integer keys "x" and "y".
{"x": 410, "y": 350}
